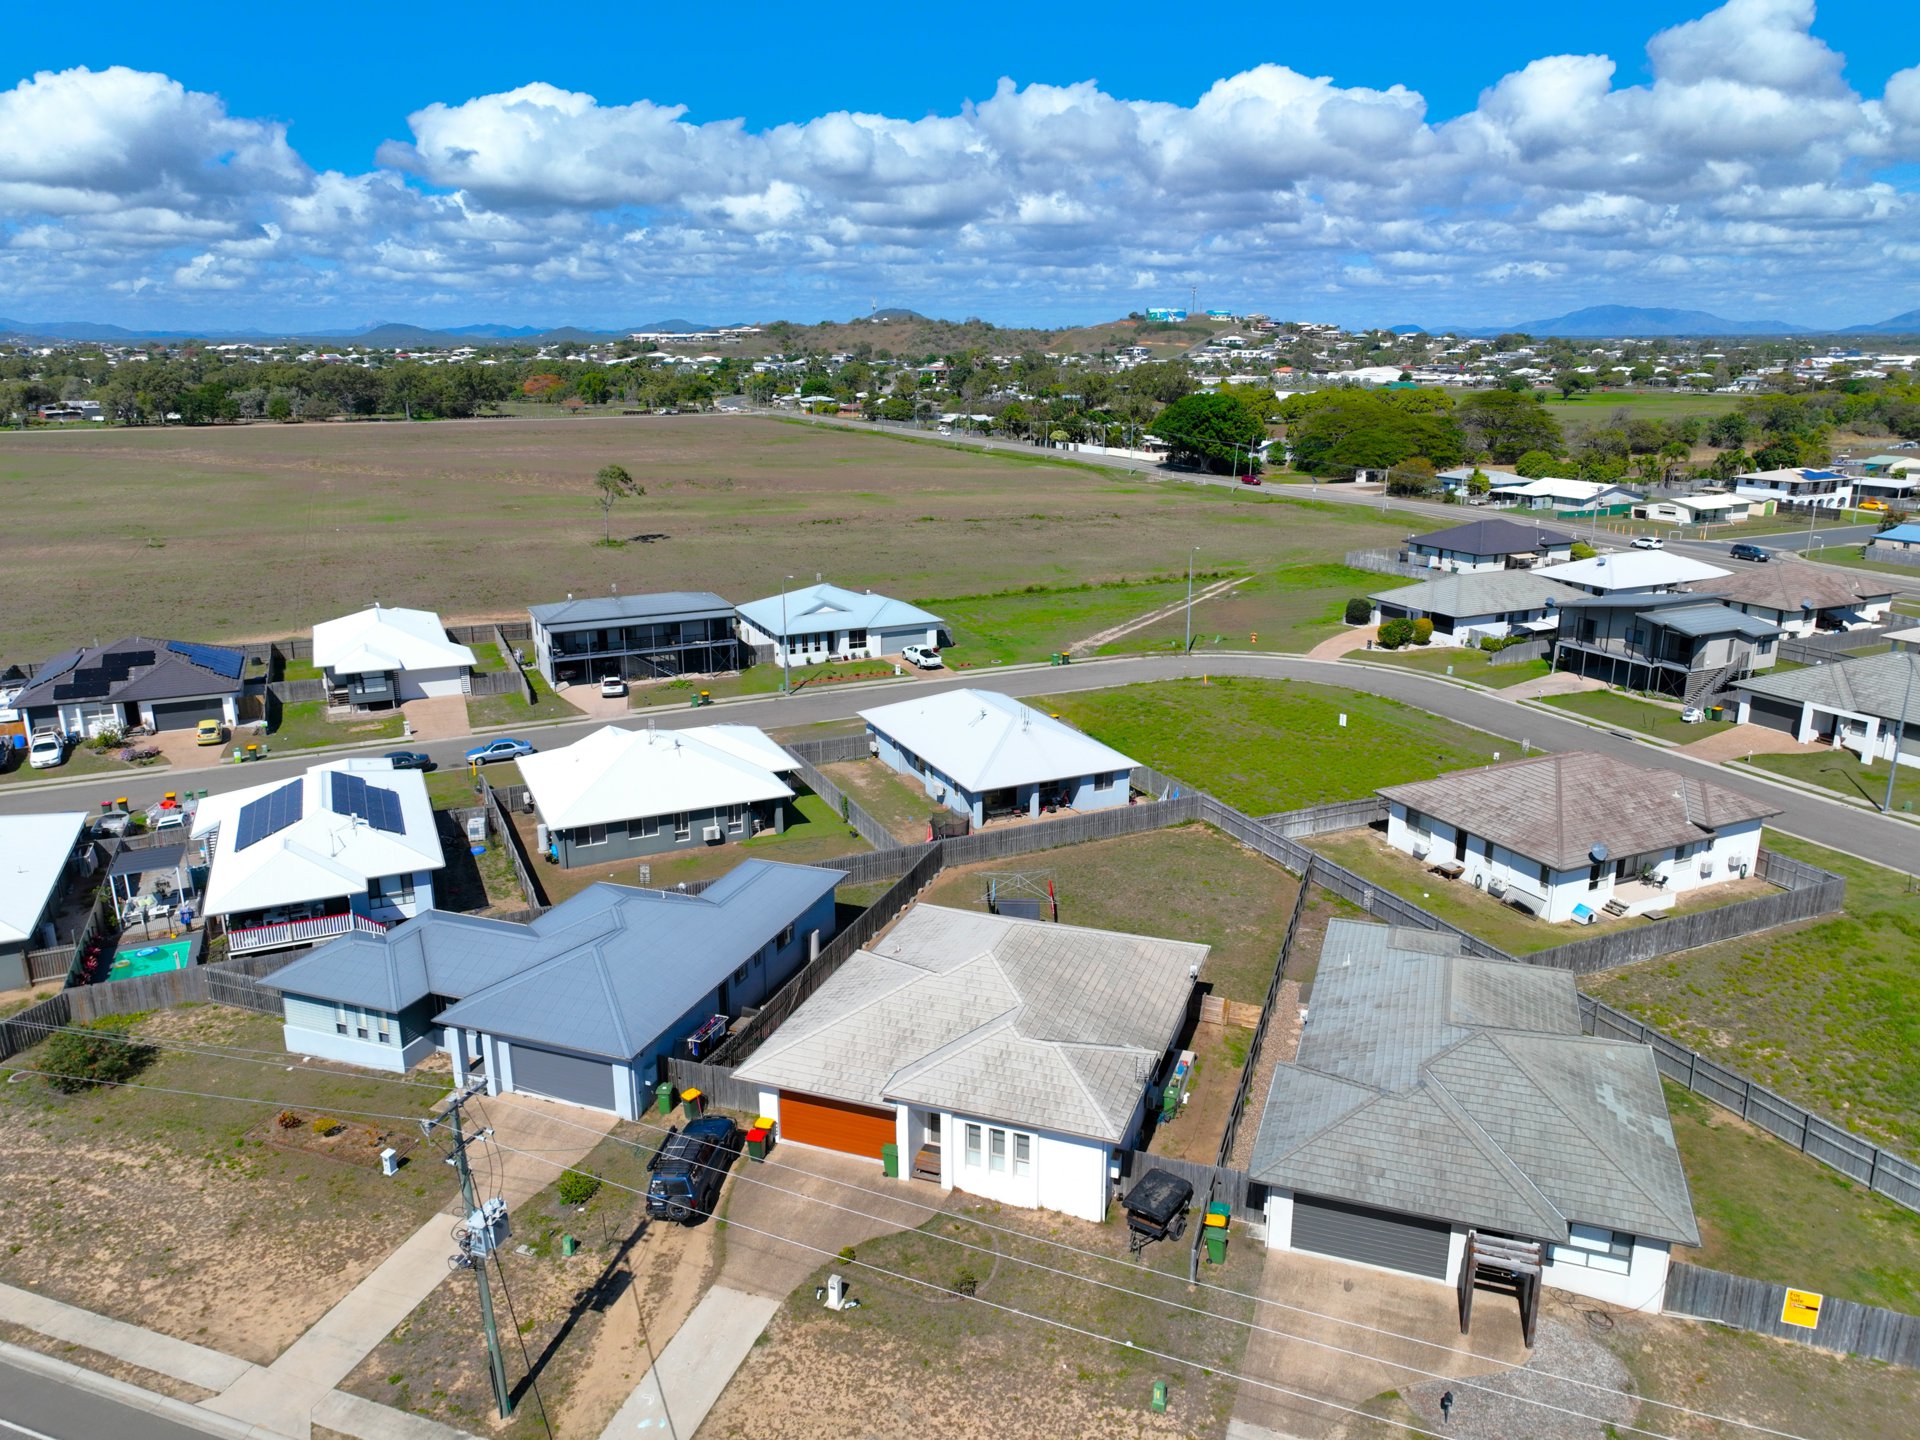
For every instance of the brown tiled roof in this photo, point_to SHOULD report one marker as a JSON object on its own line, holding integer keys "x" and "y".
{"x": 1786, "y": 586}
{"x": 1556, "y": 808}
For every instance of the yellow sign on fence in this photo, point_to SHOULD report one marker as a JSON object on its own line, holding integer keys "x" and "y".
{"x": 1802, "y": 1308}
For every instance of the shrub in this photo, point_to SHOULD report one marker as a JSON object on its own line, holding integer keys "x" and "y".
{"x": 325, "y": 1125}
{"x": 577, "y": 1188}
{"x": 288, "y": 1120}
{"x": 1582, "y": 551}
{"x": 846, "y": 1255}
{"x": 965, "y": 1282}
{"x": 101, "y": 1053}
{"x": 1359, "y": 610}
{"x": 1423, "y": 631}
{"x": 1396, "y": 633}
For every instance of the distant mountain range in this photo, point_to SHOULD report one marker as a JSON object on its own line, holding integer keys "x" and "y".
{"x": 1630, "y": 320}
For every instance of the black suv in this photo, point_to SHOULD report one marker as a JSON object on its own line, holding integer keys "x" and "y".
{"x": 1744, "y": 551}
{"x": 689, "y": 1168}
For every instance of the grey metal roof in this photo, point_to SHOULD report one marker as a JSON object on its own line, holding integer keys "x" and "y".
{"x": 1479, "y": 592}
{"x": 1865, "y": 685}
{"x": 1438, "y": 1085}
{"x": 1712, "y": 619}
{"x": 1053, "y": 1026}
{"x": 1556, "y": 808}
{"x": 1492, "y": 537}
{"x": 603, "y": 972}
{"x": 619, "y": 609}
{"x": 1631, "y": 600}
{"x": 146, "y": 861}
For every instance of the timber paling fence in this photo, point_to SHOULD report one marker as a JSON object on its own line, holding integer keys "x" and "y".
{"x": 1258, "y": 1042}
{"x": 1747, "y": 1304}
{"x": 846, "y": 807}
{"x": 506, "y": 836}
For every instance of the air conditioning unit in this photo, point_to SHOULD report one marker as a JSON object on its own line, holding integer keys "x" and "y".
{"x": 1496, "y": 888}
{"x": 713, "y": 834}
{"x": 1419, "y": 850}
{"x": 1706, "y": 869}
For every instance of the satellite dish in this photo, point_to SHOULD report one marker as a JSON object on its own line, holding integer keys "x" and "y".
{"x": 1599, "y": 851}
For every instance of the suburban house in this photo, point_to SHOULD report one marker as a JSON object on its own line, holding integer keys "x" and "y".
{"x": 985, "y": 755}
{"x": 817, "y": 623}
{"x": 1701, "y": 509}
{"x": 1007, "y": 1058}
{"x": 159, "y": 684}
{"x": 1459, "y": 480}
{"x": 1805, "y": 599}
{"x": 634, "y": 637}
{"x": 1894, "y": 479}
{"x": 1433, "y": 1095}
{"x": 1900, "y": 540}
{"x": 1632, "y": 572}
{"x": 1875, "y": 467}
{"x": 581, "y": 1004}
{"x": 623, "y": 793}
{"x": 1855, "y": 703}
{"x": 1684, "y": 645}
{"x": 1466, "y": 606}
{"x": 1797, "y": 486}
{"x": 383, "y": 656}
{"x": 1489, "y": 545}
{"x": 1553, "y": 493}
{"x": 1565, "y": 836}
{"x": 349, "y": 846}
{"x": 39, "y": 851}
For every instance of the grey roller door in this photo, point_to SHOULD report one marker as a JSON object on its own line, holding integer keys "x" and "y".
{"x": 1373, "y": 1237}
{"x": 1774, "y": 714}
{"x": 185, "y": 714}
{"x": 563, "y": 1077}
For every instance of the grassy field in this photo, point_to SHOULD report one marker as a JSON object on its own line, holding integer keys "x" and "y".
{"x": 481, "y": 519}
{"x": 1593, "y": 410}
{"x": 1827, "y": 1013}
{"x": 1853, "y": 557}
{"x": 1467, "y": 664}
{"x": 1269, "y": 745}
{"x": 1290, "y": 608}
{"x": 304, "y": 726}
{"x": 1189, "y": 883}
{"x": 1842, "y": 772}
{"x": 754, "y": 680}
{"x": 1624, "y": 712}
{"x": 901, "y": 806}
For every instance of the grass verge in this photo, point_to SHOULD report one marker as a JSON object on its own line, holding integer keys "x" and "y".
{"x": 304, "y": 726}
{"x": 1640, "y": 716}
{"x": 1841, "y": 772}
{"x": 1459, "y": 660}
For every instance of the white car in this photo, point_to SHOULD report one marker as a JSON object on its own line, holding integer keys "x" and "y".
{"x": 46, "y": 750}
{"x": 1692, "y": 715}
{"x": 1648, "y": 542}
{"x": 613, "y": 687}
{"x": 922, "y": 657}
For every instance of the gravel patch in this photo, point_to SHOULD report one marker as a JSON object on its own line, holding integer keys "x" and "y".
{"x": 1495, "y": 1408}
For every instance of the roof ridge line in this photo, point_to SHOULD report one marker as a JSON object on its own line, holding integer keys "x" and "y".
{"x": 1477, "y": 1135}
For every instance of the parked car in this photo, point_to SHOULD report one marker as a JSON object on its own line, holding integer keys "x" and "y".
{"x": 1745, "y": 551}
{"x": 922, "y": 657}
{"x": 1648, "y": 542}
{"x": 612, "y": 687}
{"x": 689, "y": 1169}
{"x": 110, "y": 824}
{"x": 1249, "y": 479}
{"x": 410, "y": 760}
{"x": 209, "y": 732}
{"x": 505, "y": 748}
{"x": 1873, "y": 504}
{"x": 46, "y": 750}
{"x": 1692, "y": 715}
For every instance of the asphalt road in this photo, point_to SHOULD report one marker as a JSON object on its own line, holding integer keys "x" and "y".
{"x": 38, "y": 1408}
{"x": 1826, "y": 822}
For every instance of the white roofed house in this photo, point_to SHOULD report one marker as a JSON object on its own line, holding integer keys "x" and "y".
{"x": 1638, "y": 572}
{"x": 631, "y": 793}
{"x": 818, "y": 623}
{"x": 350, "y": 845}
{"x": 381, "y": 656}
{"x": 1551, "y": 492}
{"x": 984, "y": 755}
{"x": 1799, "y": 485}
{"x": 37, "y": 855}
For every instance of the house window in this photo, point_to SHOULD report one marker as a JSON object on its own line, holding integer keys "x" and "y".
{"x": 1023, "y": 1155}
{"x": 740, "y": 974}
{"x": 682, "y": 826}
{"x": 650, "y": 826}
{"x": 1546, "y": 875}
{"x": 997, "y": 1150}
{"x": 856, "y": 639}
{"x": 1596, "y": 1249}
{"x": 340, "y": 1019}
{"x": 390, "y": 890}
{"x": 973, "y": 1146}
{"x": 590, "y": 835}
{"x": 786, "y": 938}
{"x": 736, "y": 818}
{"x": 380, "y": 1030}
{"x": 1415, "y": 820}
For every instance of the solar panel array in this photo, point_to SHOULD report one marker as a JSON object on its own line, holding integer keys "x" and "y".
{"x": 268, "y": 815}
{"x": 221, "y": 661}
{"x": 375, "y": 804}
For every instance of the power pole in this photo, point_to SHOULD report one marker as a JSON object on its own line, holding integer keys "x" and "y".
{"x": 467, "y": 1236}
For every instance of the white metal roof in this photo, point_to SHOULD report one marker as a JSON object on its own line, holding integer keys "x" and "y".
{"x": 616, "y": 774}
{"x": 1551, "y": 485}
{"x": 987, "y": 741}
{"x": 380, "y": 638}
{"x": 33, "y": 851}
{"x": 824, "y": 609}
{"x": 1630, "y": 570}
{"x": 323, "y": 853}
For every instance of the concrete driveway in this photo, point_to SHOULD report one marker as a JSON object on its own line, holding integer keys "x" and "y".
{"x": 787, "y": 1206}
{"x": 588, "y": 700}
{"x": 1744, "y": 740}
{"x": 1421, "y": 1309}
{"x": 185, "y": 752}
{"x": 442, "y": 718}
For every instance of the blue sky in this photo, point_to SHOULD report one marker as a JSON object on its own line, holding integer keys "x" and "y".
{"x": 446, "y": 165}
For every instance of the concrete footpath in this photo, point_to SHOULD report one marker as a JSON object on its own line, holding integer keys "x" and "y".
{"x": 675, "y": 1395}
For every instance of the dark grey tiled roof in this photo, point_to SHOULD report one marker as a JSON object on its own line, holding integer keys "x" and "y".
{"x": 1480, "y": 592}
{"x": 1433, "y": 1084}
{"x": 1865, "y": 685}
{"x": 1556, "y": 808}
{"x": 168, "y": 675}
{"x": 1790, "y": 587}
{"x": 619, "y": 609}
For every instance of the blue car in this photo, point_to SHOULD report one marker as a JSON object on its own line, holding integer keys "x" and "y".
{"x": 501, "y": 749}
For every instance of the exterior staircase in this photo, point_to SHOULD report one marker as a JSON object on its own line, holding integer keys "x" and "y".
{"x": 1704, "y": 686}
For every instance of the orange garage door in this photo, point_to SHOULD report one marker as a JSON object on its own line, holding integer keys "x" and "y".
{"x": 834, "y": 1124}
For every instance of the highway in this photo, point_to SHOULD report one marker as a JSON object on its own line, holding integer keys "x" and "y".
{"x": 1826, "y": 822}
{"x": 37, "y": 1407}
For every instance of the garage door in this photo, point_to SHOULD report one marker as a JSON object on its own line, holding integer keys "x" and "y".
{"x": 1373, "y": 1237}
{"x": 1774, "y": 714}
{"x": 562, "y": 1077}
{"x": 185, "y": 714}
{"x": 835, "y": 1125}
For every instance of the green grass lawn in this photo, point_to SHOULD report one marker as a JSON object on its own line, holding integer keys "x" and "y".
{"x": 1027, "y": 625}
{"x": 487, "y": 656}
{"x": 1292, "y": 608}
{"x": 1842, "y": 772}
{"x": 512, "y": 708}
{"x": 896, "y": 802}
{"x": 80, "y": 761}
{"x": 1854, "y": 557}
{"x": 754, "y": 680}
{"x": 1596, "y": 407}
{"x": 1768, "y": 1211}
{"x": 1609, "y": 707}
{"x": 304, "y": 726}
{"x": 1462, "y": 661}
{"x": 1827, "y": 1013}
{"x": 1269, "y": 745}
{"x": 300, "y": 670}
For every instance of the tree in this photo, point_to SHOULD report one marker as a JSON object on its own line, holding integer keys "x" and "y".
{"x": 1568, "y": 381}
{"x": 613, "y": 483}
{"x": 1211, "y": 430}
{"x": 1478, "y": 483}
{"x": 593, "y": 388}
{"x": 1335, "y": 432}
{"x": 1413, "y": 476}
{"x": 896, "y": 407}
{"x": 1507, "y": 425}
{"x": 1581, "y": 550}
{"x": 1534, "y": 464}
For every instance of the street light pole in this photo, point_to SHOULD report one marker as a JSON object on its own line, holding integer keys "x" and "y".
{"x": 1899, "y": 733}
{"x": 1190, "y": 554}
{"x": 786, "y": 644}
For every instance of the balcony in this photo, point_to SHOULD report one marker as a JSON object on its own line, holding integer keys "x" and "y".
{"x": 255, "y": 938}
